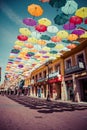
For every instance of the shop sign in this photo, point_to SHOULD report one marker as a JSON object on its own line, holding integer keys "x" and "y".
{"x": 53, "y": 75}
{"x": 75, "y": 68}
{"x": 55, "y": 80}
{"x": 41, "y": 79}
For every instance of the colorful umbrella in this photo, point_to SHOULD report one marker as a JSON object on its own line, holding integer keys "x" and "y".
{"x": 41, "y": 42}
{"x": 75, "y": 20}
{"x": 72, "y": 37}
{"x": 20, "y": 43}
{"x": 32, "y": 40}
{"x": 17, "y": 47}
{"x": 69, "y": 26}
{"x": 57, "y": 3}
{"x": 62, "y": 34}
{"x": 22, "y": 37}
{"x": 85, "y": 21}
{"x": 43, "y": 52}
{"x": 59, "y": 46}
{"x": 35, "y": 34}
{"x": 78, "y": 32}
{"x": 52, "y": 29}
{"x": 53, "y": 52}
{"x": 20, "y": 66}
{"x": 44, "y": 21}
{"x": 25, "y": 31}
{"x": 35, "y": 10}
{"x": 29, "y": 21}
{"x": 84, "y": 35}
{"x": 71, "y": 46}
{"x": 70, "y": 7}
{"x": 55, "y": 39}
{"x": 61, "y": 19}
{"x": 41, "y": 28}
{"x": 51, "y": 45}
{"x": 46, "y": 48}
{"x": 15, "y": 51}
{"x": 81, "y": 12}
{"x": 45, "y": 37}
{"x": 29, "y": 45}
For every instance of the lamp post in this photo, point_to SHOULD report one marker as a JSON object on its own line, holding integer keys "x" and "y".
{"x": 47, "y": 64}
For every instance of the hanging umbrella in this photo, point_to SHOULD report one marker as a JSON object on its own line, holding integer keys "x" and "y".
{"x": 30, "y": 54}
{"x": 17, "y": 47}
{"x": 85, "y": 21}
{"x": 35, "y": 10}
{"x": 81, "y": 12}
{"x": 20, "y": 43}
{"x": 84, "y": 35}
{"x": 40, "y": 28}
{"x": 34, "y": 50}
{"x": 57, "y": 3}
{"x": 25, "y": 31}
{"x": 29, "y": 45}
{"x": 44, "y": 21}
{"x": 51, "y": 45}
{"x": 41, "y": 42}
{"x": 70, "y": 7}
{"x": 38, "y": 47}
{"x": 78, "y": 32}
{"x": 22, "y": 37}
{"x": 45, "y": 37}
{"x": 53, "y": 52}
{"x": 75, "y": 20}
{"x": 71, "y": 46}
{"x": 15, "y": 51}
{"x": 62, "y": 34}
{"x": 55, "y": 39}
{"x": 61, "y": 19}
{"x": 42, "y": 51}
{"x": 59, "y": 46}
{"x": 20, "y": 66}
{"x": 35, "y": 34}
{"x": 25, "y": 49}
{"x": 69, "y": 26}
{"x": 32, "y": 40}
{"x": 52, "y": 29}
{"x": 46, "y": 48}
{"x": 72, "y": 37}
{"x": 29, "y": 21}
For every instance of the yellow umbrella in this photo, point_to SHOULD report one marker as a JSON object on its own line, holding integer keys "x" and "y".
{"x": 35, "y": 10}
{"x": 46, "y": 49}
{"x": 41, "y": 42}
{"x": 62, "y": 34}
{"x": 32, "y": 40}
{"x": 44, "y": 21}
{"x": 72, "y": 37}
{"x": 12, "y": 57}
{"x": 33, "y": 50}
{"x": 25, "y": 31}
{"x": 81, "y": 12}
{"x": 84, "y": 35}
{"x": 59, "y": 46}
{"x": 20, "y": 43}
{"x": 25, "y": 49}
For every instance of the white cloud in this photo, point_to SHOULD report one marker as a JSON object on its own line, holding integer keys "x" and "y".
{"x": 11, "y": 14}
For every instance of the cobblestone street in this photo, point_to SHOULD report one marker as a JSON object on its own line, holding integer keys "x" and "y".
{"x": 36, "y": 114}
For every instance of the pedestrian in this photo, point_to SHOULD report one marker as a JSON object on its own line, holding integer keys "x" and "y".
{"x": 48, "y": 96}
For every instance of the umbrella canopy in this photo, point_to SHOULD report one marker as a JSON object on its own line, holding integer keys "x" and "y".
{"x": 75, "y": 20}
{"x": 20, "y": 66}
{"x": 62, "y": 34}
{"x": 59, "y": 46}
{"x": 30, "y": 54}
{"x": 35, "y": 10}
{"x": 71, "y": 46}
{"x": 29, "y": 21}
{"x": 41, "y": 42}
{"x": 20, "y": 43}
{"x": 81, "y": 12}
{"x": 78, "y": 32}
{"x": 35, "y": 34}
{"x": 53, "y": 52}
{"x": 69, "y": 26}
{"x": 61, "y": 18}
{"x": 45, "y": 37}
{"x": 22, "y": 37}
{"x": 84, "y": 35}
{"x": 15, "y": 51}
{"x": 72, "y": 37}
{"x": 32, "y": 40}
{"x": 51, "y": 45}
{"x": 41, "y": 28}
{"x": 52, "y": 29}
{"x": 57, "y": 3}
{"x": 70, "y": 7}
{"x": 29, "y": 45}
{"x": 44, "y": 21}
{"x": 25, "y": 31}
{"x": 17, "y": 47}
{"x": 55, "y": 39}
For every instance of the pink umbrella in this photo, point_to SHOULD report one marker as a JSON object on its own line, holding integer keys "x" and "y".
{"x": 78, "y": 32}
{"x": 75, "y": 20}
{"x": 22, "y": 37}
{"x": 69, "y": 26}
{"x": 29, "y": 21}
{"x": 41, "y": 28}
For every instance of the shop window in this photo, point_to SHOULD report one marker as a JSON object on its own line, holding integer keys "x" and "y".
{"x": 44, "y": 74}
{"x": 68, "y": 63}
{"x": 57, "y": 68}
{"x": 40, "y": 75}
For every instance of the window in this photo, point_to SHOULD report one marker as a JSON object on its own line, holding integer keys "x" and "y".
{"x": 68, "y": 63}
{"x": 40, "y": 75}
{"x": 44, "y": 74}
{"x": 57, "y": 68}
{"x": 50, "y": 70}
{"x": 80, "y": 58}
{"x": 36, "y": 77}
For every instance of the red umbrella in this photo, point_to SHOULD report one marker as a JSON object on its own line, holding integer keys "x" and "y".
{"x": 76, "y": 20}
{"x": 22, "y": 37}
{"x": 41, "y": 28}
{"x": 85, "y": 21}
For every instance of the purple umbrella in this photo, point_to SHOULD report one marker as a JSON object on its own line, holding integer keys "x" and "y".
{"x": 45, "y": 56}
{"x": 69, "y": 26}
{"x": 20, "y": 66}
{"x": 43, "y": 52}
{"x": 29, "y": 21}
{"x": 78, "y": 32}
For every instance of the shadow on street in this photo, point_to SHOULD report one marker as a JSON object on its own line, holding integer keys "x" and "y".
{"x": 43, "y": 106}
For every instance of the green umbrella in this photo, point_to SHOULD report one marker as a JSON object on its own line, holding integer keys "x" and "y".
{"x": 45, "y": 37}
{"x": 51, "y": 45}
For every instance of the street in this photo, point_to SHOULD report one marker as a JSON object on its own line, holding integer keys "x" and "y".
{"x": 26, "y": 113}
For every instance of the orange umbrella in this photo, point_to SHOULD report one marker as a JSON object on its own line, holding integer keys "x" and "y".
{"x": 71, "y": 46}
{"x": 29, "y": 45}
{"x": 72, "y": 37}
{"x": 35, "y": 10}
{"x": 56, "y": 39}
{"x": 41, "y": 42}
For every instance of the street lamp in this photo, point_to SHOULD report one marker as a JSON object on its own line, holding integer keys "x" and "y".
{"x": 47, "y": 64}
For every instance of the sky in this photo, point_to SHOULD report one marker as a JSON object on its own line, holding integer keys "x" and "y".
{"x": 12, "y": 14}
